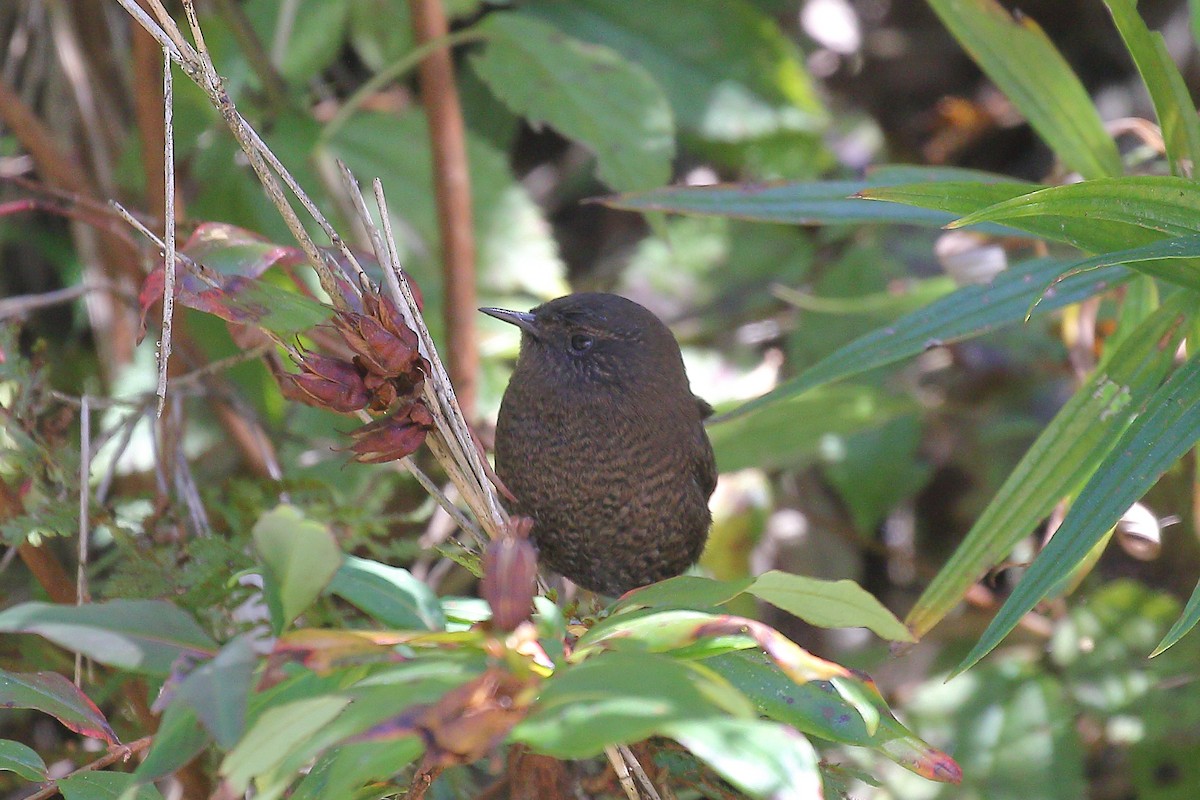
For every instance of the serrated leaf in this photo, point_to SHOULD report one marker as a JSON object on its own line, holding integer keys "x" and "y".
{"x": 587, "y": 92}
{"x": 140, "y": 635}
{"x": 730, "y": 73}
{"x": 763, "y": 759}
{"x": 389, "y": 594}
{"x": 1025, "y": 65}
{"x": 300, "y": 558}
{"x": 22, "y": 760}
{"x": 1066, "y": 453}
{"x": 970, "y": 311}
{"x": 828, "y": 604}
{"x": 1172, "y": 103}
{"x": 1166, "y": 429}
{"x": 53, "y": 694}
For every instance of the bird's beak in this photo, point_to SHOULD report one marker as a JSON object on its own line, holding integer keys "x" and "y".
{"x": 522, "y": 319}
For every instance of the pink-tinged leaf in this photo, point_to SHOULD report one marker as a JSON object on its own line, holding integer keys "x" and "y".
{"x": 53, "y": 694}
{"x": 236, "y": 251}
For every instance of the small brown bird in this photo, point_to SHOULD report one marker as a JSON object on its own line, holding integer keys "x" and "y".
{"x": 602, "y": 442}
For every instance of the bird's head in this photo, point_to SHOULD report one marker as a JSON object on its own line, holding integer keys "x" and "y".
{"x": 594, "y": 339}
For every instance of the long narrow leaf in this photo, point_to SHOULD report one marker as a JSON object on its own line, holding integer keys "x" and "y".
{"x": 1187, "y": 620}
{"x": 1062, "y": 458}
{"x": 1168, "y": 428}
{"x": 1172, "y": 103}
{"x": 967, "y": 312}
{"x": 1021, "y": 60}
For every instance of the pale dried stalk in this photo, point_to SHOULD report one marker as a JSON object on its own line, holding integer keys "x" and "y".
{"x": 622, "y": 769}
{"x": 451, "y": 443}
{"x": 164, "y": 342}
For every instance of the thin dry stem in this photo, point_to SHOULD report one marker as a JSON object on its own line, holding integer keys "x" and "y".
{"x": 85, "y": 469}
{"x": 622, "y": 769}
{"x": 115, "y": 754}
{"x": 638, "y": 771}
{"x": 168, "y": 314}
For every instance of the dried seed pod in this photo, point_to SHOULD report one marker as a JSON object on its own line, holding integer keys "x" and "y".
{"x": 510, "y": 575}
{"x": 325, "y": 382}
{"x": 392, "y": 437}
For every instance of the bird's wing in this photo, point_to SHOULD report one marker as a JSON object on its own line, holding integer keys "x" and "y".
{"x": 706, "y": 462}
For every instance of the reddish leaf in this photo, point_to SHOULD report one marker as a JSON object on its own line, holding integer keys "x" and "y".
{"x": 55, "y": 695}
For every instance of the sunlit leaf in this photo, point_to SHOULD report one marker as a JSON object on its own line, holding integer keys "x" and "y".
{"x": 828, "y": 604}
{"x": 1166, "y": 429}
{"x": 586, "y": 92}
{"x": 1016, "y": 54}
{"x": 389, "y": 594}
{"x": 763, "y": 759}
{"x": 300, "y": 558}
{"x": 139, "y": 635}
{"x": 686, "y": 591}
{"x": 1172, "y": 103}
{"x": 1066, "y": 453}
{"x": 276, "y": 733}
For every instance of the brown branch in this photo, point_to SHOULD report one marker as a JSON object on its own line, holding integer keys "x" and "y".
{"x": 120, "y": 752}
{"x": 452, "y": 185}
{"x": 148, "y": 112}
{"x": 426, "y": 774}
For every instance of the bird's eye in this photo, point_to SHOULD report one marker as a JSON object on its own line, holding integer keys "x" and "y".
{"x": 581, "y": 343}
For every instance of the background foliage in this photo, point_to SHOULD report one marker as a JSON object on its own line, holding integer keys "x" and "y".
{"x": 935, "y": 265}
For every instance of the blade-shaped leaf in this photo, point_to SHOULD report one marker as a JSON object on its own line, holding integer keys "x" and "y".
{"x": 389, "y": 594}
{"x": 828, "y": 604}
{"x": 1172, "y": 103}
{"x": 1167, "y": 428}
{"x": 685, "y": 591}
{"x": 140, "y": 635}
{"x": 53, "y": 694}
{"x": 763, "y": 759}
{"x": 22, "y": 760}
{"x": 968, "y": 312}
{"x": 1016, "y": 54}
{"x": 300, "y": 557}
{"x": 180, "y": 738}
{"x": 1158, "y": 204}
{"x": 1187, "y": 620}
{"x": 1063, "y": 457}
{"x": 585, "y": 91}
{"x": 823, "y": 202}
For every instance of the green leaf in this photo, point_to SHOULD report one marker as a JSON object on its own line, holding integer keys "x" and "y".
{"x": 276, "y": 733}
{"x": 53, "y": 694}
{"x": 18, "y": 758}
{"x": 1186, "y": 621}
{"x": 1152, "y": 205}
{"x": 763, "y": 759}
{"x": 1025, "y": 65}
{"x": 586, "y": 92}
{"x": 828, "y": 604}
{"x": 340, "y": 771}
{"x": 1172, "y": 103}
{"x": 180, "y": 738}
{"x": 614, "y": 698}
{"x": 300, "y": 558}
{"x": 729, "y": 72}
{"x": 684, "y": 591}
{"x": 1175, "y": 260}
{"x": 660, "y": 630}
{"x": 105, "y": 786}
{"x": 218, "y": 690}
{"x": 970, "y": 311}
{"x": 816, "y": 708}
{"x": 140, "y": 635}
{"x": 823, "y": 202}
{"x": 389, "y": 594}
{"x": 1166, "y": 429}
{"x": 1062, "y": 458}
{"x": 794, "y": 429}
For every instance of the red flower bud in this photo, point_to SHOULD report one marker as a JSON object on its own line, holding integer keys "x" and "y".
{"x": 510, "y": 575}
{"x": 325, "y": 383}
{"x": 392, "y": 437}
